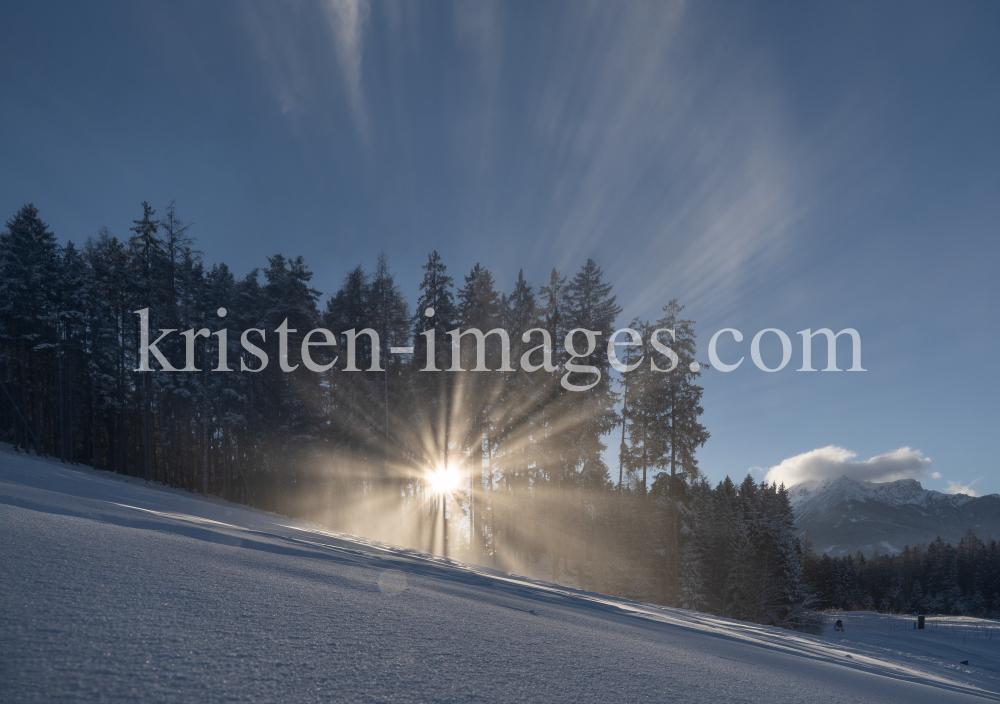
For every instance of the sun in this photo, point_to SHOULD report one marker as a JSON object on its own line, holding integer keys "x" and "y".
{"x": 443, "y": 480}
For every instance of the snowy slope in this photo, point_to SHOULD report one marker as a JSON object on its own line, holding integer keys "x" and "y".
{"x": 117, "y": 591}
{"x": 843, "y": 516}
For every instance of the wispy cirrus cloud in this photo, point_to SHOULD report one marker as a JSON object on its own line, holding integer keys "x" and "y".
{"x": 274, "y": 32}
{"x": 687, "y": 166}
{"x": 294, "y": 57}
{"x": 347, "y": 19}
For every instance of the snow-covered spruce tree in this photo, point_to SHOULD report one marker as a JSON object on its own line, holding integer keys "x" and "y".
{"x": 292, "y": 398}
{"x": 637, "y": 532}
{"x": 436, "y": 293}
{"x": 227, "y": 394}
{"x": 639, "y": 446}
{"x": 75, "y": 300}
{"x": 247, "y": 311}
{"x": 745, "y": 581}
{"x": 551, "y": 447}
{"x": 475, "y": 395}
{"x": 108, "y": 262}
{"x": 788, "y": 602}
{"x": 695, "y": 544}
{"x": 677, "y": 410}
{"x": 661, "y": 411}
{"x": 367, "y": 412}
{"x": 391, "y": 318}
{"x": 29, "y": 282}
{"x": 354, "y": 405}
{"x": 590, "y": 306}
{"x": 173, "y": 310}
{"x": 431, "y": 393}
{"x": 512, "y": 419}
{"x": 350, "y": 397}
{"x": 192, "y": 420}
{"x": 717, "y": 537}
{"x": 148, "y": 266}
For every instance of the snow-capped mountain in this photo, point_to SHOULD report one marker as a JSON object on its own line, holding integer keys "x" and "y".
{"x": 842, "y": 516}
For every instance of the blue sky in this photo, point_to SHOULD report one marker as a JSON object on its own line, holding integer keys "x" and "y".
{"x": 772, "y": 165}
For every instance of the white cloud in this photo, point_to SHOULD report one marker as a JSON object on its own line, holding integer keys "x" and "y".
{"x": 935, "y": 475}
{"x": 958, "y": 488}
{"x": 833, "y": 462}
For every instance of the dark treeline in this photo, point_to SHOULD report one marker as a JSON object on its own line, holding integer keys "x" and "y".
{"x": 354, "y": 450}
{"x": 937, "y": 579}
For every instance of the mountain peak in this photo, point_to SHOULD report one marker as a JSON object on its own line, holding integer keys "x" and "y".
{"x": 846, "y": 514}
{"x": 809, "y": 497}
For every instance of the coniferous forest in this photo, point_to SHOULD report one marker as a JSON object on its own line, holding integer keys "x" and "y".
{"x": 354, "y": 450}
{"x": 937, "y": 578}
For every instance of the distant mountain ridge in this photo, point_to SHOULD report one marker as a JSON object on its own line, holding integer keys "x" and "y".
{"x": 842, "y": 516}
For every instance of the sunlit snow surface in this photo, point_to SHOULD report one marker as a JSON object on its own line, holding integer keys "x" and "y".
{"x": 122, "y": 591}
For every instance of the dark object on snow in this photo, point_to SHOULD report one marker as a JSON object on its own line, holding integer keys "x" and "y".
{"x": 964, "y": 662}
{"x": 839, "y": 625}
{"x": 920, "y": 621}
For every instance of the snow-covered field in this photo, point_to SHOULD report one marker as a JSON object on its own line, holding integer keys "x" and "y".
{"x": 944, "y": 642}
{"x": 121, "y": 591}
